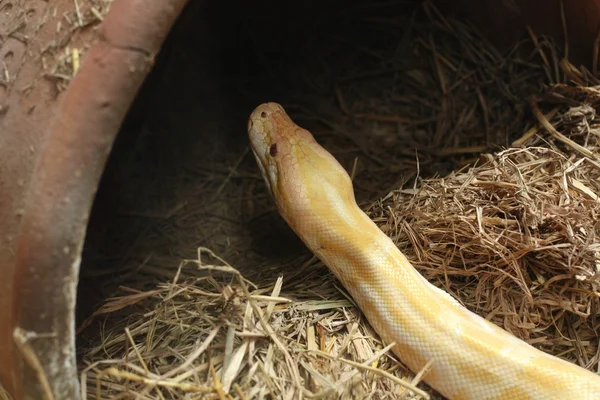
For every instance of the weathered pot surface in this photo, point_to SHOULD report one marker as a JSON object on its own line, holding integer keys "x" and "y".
{"x": 72, "y": 70}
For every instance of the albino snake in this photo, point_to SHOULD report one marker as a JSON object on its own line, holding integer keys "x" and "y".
{"x": 471, "y": 357}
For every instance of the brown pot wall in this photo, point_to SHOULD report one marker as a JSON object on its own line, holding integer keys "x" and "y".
{"x": 53, "y": 147}
{"x": 504, "y": 22}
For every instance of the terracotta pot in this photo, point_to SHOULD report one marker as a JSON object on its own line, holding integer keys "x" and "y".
{"x": 53, "y": 147}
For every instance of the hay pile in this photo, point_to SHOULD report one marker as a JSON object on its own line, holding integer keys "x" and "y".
{"x": 512, "y": 238}
{"x": 515, "y": 238}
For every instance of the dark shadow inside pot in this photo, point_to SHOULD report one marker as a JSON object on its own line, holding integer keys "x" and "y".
{"x": 186, "y": 131}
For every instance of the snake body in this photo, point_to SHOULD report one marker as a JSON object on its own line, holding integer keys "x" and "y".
{"x": 471, "y": 358}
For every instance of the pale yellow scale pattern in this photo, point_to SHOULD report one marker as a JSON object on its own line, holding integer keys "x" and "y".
{"x": 470, "y": 357}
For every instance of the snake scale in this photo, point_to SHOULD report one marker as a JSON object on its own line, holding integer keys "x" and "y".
{"x": 471, "y": 358}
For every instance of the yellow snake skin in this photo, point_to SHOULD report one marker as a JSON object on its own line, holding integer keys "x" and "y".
{"x": 471, "y": 357}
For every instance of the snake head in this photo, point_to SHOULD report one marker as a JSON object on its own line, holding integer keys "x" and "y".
{"x": 300, "y": 174}
{"x": 278, "y": 143}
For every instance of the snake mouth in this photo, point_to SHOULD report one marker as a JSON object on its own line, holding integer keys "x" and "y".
{"x": 262, "y": 142}
{"x": 261, "y": 153}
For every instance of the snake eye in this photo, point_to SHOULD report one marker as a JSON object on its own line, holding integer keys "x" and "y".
{"x": 273, "y": 150}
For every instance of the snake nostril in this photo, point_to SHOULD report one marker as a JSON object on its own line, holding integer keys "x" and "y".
{"x": 263, "y": 114}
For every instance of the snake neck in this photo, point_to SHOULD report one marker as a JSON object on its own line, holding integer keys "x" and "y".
{"x": 351, "y": 244}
